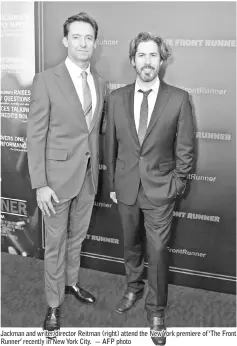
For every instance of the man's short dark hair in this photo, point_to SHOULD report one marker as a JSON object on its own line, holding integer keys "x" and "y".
{"x": 80, "y": 17}
{"x": 145, "y": 37}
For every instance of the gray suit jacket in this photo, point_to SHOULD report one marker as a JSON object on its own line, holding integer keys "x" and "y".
{"x": 167, "y": 153}
{"x": 58, "y": 139}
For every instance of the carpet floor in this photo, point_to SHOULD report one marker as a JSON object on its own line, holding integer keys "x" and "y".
{"x": 23, "y": 301}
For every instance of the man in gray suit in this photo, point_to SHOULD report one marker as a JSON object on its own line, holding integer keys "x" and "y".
{"x": 150, "y": 152}
{"x": 63, "y": 155}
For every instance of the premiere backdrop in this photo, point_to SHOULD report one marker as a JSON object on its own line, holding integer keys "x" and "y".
{"x": 202, "y": 40}
{"x": 20, "y": 227}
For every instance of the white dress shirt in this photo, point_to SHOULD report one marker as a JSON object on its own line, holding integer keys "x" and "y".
{"x": 75, "y": 74}
{"x": 138, "y": 96}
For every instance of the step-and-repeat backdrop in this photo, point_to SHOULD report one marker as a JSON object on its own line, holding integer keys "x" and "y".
{"x": 20, "y": 232}
{"x": 201, "y": 37}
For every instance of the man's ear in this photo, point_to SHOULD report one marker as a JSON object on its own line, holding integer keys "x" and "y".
{"x": 133, "y": 62}
{"x": 65, "y": 43}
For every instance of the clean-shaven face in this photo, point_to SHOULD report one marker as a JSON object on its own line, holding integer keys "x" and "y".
{"x": 147, "y": 61}
{"x": 80, "y": 42}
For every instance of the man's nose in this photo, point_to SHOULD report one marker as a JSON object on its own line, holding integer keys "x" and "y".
{"x": 82, "y": 42}
{"x": 147, "y": 60}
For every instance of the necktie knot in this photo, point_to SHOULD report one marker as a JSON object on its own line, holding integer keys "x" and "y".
{"x": 145, "y": 93}
{"x": 84, "y": 74}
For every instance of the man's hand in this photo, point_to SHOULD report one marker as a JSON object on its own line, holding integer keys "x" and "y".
{"x": 43, "y": 196}
{"x": 113, "y": 197}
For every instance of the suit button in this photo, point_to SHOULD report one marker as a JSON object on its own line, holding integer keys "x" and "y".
{"x": 141, "y": 157}
{"x": 87, "y": 154}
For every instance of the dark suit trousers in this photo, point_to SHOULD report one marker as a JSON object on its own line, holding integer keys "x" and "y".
{"x": 65, "y": 232}
{"x": 157, "y": 221}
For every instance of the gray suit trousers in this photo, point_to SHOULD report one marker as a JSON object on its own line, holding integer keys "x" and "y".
{"x": 65, "y": 232}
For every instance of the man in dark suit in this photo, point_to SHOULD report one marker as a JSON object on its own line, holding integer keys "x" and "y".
{"x": 63, "y": 155}
{"x": 150, "y": 152}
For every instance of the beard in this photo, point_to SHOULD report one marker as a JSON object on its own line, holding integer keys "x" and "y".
{"x": 147, "y": 73}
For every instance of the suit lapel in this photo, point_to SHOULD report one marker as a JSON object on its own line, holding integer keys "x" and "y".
{"x": 99, "y": 98}
{"x": 129, "y": 109}
{"x": 161, "y": 100}
{"x": 66, "y": 85}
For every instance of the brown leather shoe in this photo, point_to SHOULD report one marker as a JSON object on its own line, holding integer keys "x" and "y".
{"x": 127, "y": 302}
{"x": 80, "y": 294}
{"x": 52, "y": 319}
{"x": 157, "y": 330}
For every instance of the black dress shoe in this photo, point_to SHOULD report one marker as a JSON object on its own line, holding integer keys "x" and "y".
{"x": 158, "y": 330}
{"x": 52, "y": 319}
{"x": 128, "y": 301}
{"x": 80, "y": 294}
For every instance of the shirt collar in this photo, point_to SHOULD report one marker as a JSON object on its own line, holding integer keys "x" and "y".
{"x": 155, "y": 86}
{"x": 74, "y": 69}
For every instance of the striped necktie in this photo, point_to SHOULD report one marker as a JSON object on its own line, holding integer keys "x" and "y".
{"x": 143, "y": 116}
{"x": 87, "y": 100}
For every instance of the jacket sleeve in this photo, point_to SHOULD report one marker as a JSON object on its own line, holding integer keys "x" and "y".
{"x": 37, "y": 128}
{"x": 111, "y": 144}
{"x": 184, "y": 146}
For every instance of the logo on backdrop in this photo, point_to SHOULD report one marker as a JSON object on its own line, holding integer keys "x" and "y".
{"x": 201, "y": 177}
{"x": 213, "y": 135}
{"x": 194, "y": 216}
{"x": 102, "y": 239}
{"x": 203, "y": 90}
{"x": 181, "y": 42}
{"x": 186, "y": 252}
{"x": 102, "y": 205}
{"x": 107, "y": 42}
{"x": 113, "y": 86}
{"x": 13, "y": 207}
{"x": 102, "y": 167}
